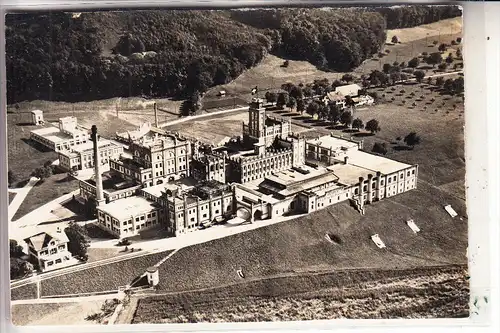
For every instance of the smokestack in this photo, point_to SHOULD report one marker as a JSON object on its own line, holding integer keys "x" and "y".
{"x": 156, "y": 115}
{"x": 97, "y": 167}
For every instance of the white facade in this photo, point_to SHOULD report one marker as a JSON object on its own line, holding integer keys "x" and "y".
{"x": 37, "y": 117}
{"x": 81, "y": 157}
{"x": 50, "y": 251}
{"x": 129, "y": 216}
{"x": 64, "y": 137}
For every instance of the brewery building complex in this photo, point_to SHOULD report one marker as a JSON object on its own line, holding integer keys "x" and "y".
{"x": 165, "y": 179}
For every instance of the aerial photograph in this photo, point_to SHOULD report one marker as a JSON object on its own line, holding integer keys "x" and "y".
{"x": 236, "y": 165}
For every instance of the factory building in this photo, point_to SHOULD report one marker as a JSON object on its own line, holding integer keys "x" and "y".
{"x": 65, "y": 136}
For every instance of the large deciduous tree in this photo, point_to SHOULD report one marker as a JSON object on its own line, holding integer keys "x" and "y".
{"x": 346, "y": 118}
{"x": 357, "y": 123}
{"x": 79, "y": 240}
{"x": 283, "y": 99}
{"x": 373, "y": 126}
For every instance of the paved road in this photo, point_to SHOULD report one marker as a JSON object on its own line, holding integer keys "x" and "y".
{"x": 68, "y": 299}
{"x": 189, "y": 118}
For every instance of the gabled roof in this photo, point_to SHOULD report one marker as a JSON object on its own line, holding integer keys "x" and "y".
{"x": 42, "y": 240}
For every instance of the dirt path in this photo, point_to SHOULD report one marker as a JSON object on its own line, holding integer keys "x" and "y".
{"x": 127, "y": 313}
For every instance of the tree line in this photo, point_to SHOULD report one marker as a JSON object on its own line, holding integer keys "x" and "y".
{"x": 55, "y": 56}
{"x": 409, "y": 16}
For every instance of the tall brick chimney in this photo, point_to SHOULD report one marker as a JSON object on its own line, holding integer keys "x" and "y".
{"x": 156, "y": 115}
{"x": 97, "y": 167}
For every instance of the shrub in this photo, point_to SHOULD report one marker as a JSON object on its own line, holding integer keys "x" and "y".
{"x": 380, "y": 148}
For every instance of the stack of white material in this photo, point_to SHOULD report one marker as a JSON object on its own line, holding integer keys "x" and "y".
{"x": 413, "y": 226}
{"x": 450, "y": 210}
{"x": 376, "y": 239}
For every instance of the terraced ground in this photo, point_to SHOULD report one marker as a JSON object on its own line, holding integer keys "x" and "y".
{"x": 102, "y": 278}
{"x": 434, "y": 292}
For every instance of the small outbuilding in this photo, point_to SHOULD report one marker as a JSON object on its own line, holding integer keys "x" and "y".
{"x": 153, "y": 276}
{"x": 37, "y": 117}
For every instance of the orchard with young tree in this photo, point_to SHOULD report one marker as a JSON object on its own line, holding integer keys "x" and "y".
{"x": 313, "y": 108}
{"x": 419, "y": 76}
{"x": 380, "y": 148}
{"x": 334, "y": 113}
{"x": 292, "y": 102}
{"x": 414, "y": 62}
{"x": 434, "y": 59}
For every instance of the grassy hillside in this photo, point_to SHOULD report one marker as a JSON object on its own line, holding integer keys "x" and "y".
{"x": 437, "y": 292}
{"x": 300, "y": 246}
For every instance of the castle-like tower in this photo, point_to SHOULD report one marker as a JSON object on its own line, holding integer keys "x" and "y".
{"x": 262, "y": 130}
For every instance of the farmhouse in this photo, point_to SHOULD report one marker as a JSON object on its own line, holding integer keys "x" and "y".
{"x": 63, "y": 137}
{"x": 50, "y": 251}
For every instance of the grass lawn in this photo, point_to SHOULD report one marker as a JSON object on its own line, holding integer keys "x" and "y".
{"x": 28, "y": 291}
{"x": 42, "y": 193}
{"x": 132, "y": 112}
{"x": 54, "y": 313}
{"x": 11, "y": 197}
{"x": 102, "y": 278}
{"x": 434, "y": 292}
{"x": 23, "y": 156}
{"x": 96, "y": 254}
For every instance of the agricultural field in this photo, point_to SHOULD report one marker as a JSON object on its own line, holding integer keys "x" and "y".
{"x": 50, "y": 313}
{"x": 215, "y": 129}
{"x": 102, "y": 278}
{"x": 24, "y": 156}
{"x": 434, "y": 292}
{"x": 439, "y": 124}
{"x": 452, "y": 26}
{"x": 96, "y": 254}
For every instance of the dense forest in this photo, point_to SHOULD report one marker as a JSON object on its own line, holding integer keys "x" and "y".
{"x": 410, "y": 16}
{"x": 61, "y": 56}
